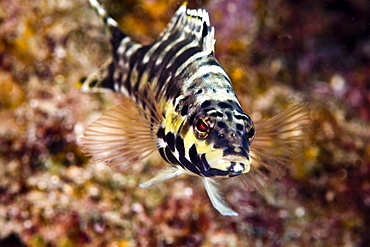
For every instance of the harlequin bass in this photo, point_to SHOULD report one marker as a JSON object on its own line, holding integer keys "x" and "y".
{"x": 180, "y": 102}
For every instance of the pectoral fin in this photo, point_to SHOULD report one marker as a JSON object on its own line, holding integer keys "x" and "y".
{"x": 164, "y": 174}
{"x": 277, "y": 143}
{"x": 124, "y": 135}
{"x": 217, "y": 200}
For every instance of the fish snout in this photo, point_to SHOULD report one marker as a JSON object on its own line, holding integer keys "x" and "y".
{"x": 237, "y": 165}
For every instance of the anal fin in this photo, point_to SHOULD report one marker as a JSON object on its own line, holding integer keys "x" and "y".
{"x": 164, "y": 174}
{"x": 217, "y": 200}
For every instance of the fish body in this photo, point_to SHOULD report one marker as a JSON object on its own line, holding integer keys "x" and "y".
{"x": 177, "y": 99}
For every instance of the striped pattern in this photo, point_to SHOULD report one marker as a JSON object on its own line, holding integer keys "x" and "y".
{"x": 179, "y": 101}
{"x": 183, "y": 47}
{"x": 182, "y": 74}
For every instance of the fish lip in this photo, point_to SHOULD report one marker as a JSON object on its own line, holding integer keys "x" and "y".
{"x": 233, "y": 158}
{"x": 234, "y": 165}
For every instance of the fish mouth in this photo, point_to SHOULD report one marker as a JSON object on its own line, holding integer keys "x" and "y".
{"x": 236, "y": 158}
{"x": 235, "y": 165}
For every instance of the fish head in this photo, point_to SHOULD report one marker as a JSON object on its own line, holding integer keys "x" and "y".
{"x": 223, "y": 135}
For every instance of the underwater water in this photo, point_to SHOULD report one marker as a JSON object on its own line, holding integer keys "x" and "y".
{"x": 275, "y": 52}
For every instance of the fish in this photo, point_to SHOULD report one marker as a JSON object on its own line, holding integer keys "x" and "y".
{"x": 177, "y": 100}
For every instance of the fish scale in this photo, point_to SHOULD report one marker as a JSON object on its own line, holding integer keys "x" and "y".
{"x": 179, "y": 101}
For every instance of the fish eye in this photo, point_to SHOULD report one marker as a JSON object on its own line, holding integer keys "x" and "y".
{"x": 202, "y": 128}
{"x": 250, "y": 134}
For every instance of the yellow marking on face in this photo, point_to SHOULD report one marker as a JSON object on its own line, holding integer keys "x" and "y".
{"x": 222, "y": 165}
{"x": 214, "y": 156}
{"x": 173, "y": 120}
{"x": 190, "y": 139}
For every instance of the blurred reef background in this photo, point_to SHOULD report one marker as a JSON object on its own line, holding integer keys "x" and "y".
{"x": 275, "y": 51}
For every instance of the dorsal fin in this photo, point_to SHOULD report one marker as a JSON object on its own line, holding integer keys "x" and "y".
{"x": 187, "y": 24}
{"x": 191, "y": 24}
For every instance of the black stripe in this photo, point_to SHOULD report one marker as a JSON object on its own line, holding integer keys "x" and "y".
{"x": 160, "y": 133}
{"x": 122, "y": 56}
{"x": 191, "y": 118}
{"x": 170, "y": 140}
{"x": 140, "y": 67}
{"x": 162, "y": 153}
{"x": 119, "y": 80}
{"x": 109, "y": 82}
{"x": 242, "y": 117}
{"x": 171, "y": 88}
{"x": 215, "y": 172}
{"x": 169, "y": 55}
{"x": 206, "y": 104}
{"x": 174, "y": 87}
{"x": 116, "y": 37}
{"x": 175, "y": 32}
{"x": 228, "y": 115}
{"x": 193, "y": 154}
{"x": 204, "y": 162}
{"x": 191, "y": 69}
{"x": 131, "y": 62}
{"x": 151, "y": 68}
{"x": 198, "y": 65}
{"x": 183, "y": 57}
{"x": 170, "y": 157}
{"x": 172, "y": 52}
{"x": 199, "y": 161}
{"x": 180, "y": 146}
{"x": 211, "y": 61}
{"x": 184, "y": 110}
{"x": 188, "y": 165}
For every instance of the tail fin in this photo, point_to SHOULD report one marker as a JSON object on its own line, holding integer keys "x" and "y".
{"x": 103, "y": 14}
{"x": 116, "y": 34}
{"x": 103, "y": 79}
